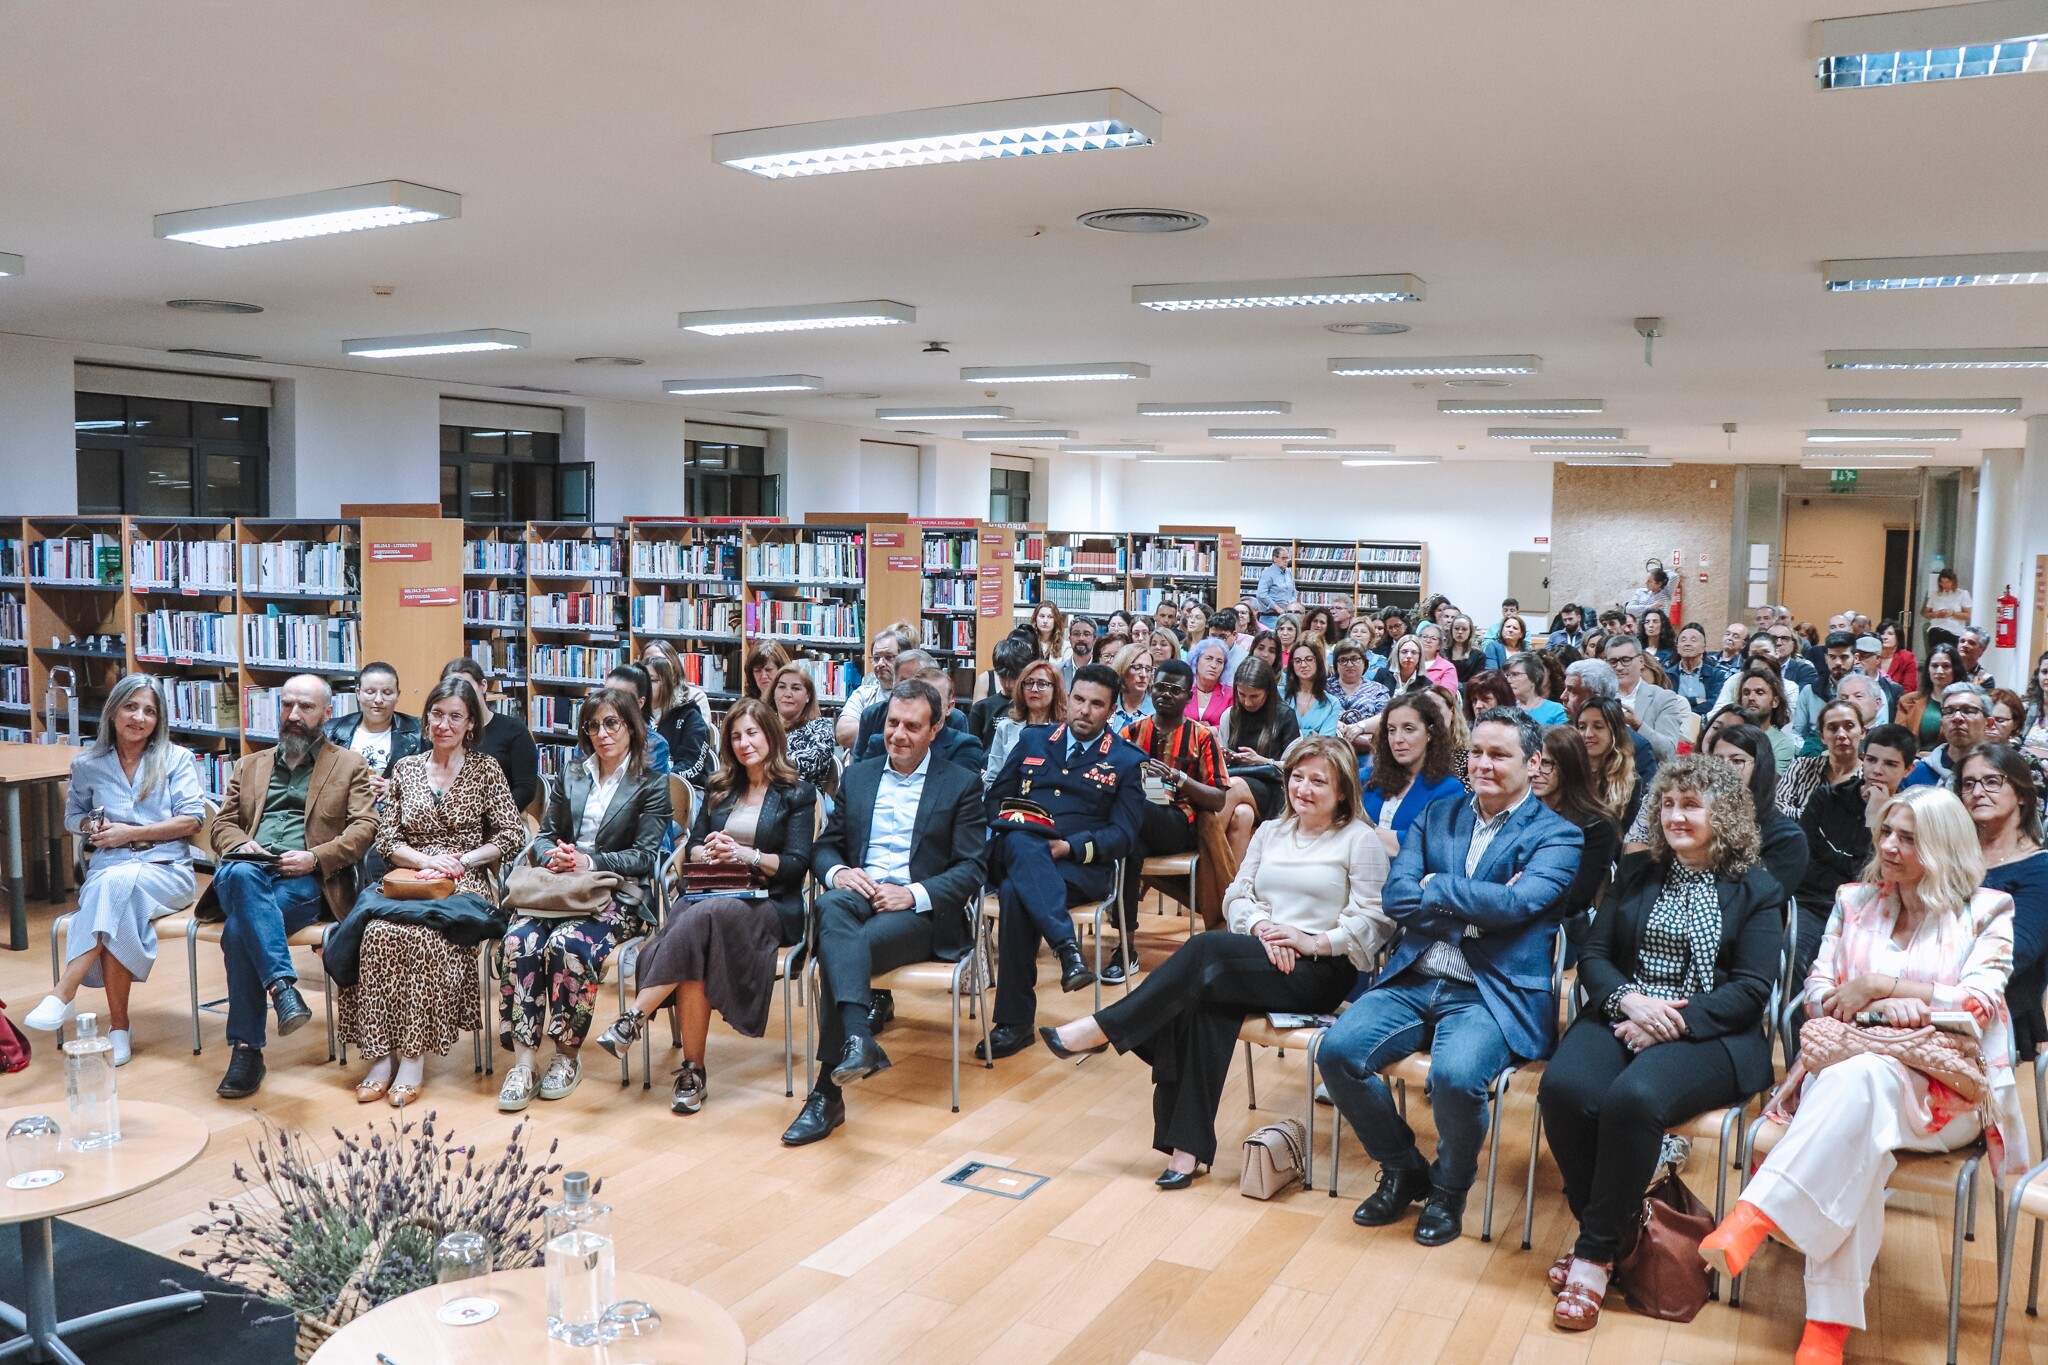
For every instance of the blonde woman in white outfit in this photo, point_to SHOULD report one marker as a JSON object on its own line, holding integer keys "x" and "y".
{"x": 1916, "y": 935}
{"x": 1305, "y": 919}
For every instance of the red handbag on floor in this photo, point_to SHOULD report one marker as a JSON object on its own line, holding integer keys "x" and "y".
{"x": 14, "y": 1051}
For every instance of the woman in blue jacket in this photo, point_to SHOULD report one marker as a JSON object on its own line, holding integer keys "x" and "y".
{"x": 1413, "y": 763}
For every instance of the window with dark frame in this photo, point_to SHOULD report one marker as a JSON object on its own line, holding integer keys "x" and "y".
{"x": 165, "y": 457}
{"x": 504, "y": 474}
{"x": 722, "y": 479}
{"x": 1009, "y": 494}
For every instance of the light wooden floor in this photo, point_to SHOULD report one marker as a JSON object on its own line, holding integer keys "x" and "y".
{"x": 848, "y": 1251}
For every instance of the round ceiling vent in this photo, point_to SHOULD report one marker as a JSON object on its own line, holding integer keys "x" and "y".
{"x": 1142, "y": 220}
{"x": 609, "y": 360}
{"x": 1477, "y": 384}
{"x": 212, "y": 306}
{"x": 1367, "y": 329}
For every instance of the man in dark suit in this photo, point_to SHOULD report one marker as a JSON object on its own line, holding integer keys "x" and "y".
{"x": 1067, "y": 804}
{"x": 1473, "y": 890}
{"x": 952, "y": 743}
{"x": 902, "y": 855}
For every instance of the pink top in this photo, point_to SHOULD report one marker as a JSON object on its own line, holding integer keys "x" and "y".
{"x": 1442, "y": 672}
{"x": 1210, "y": 713}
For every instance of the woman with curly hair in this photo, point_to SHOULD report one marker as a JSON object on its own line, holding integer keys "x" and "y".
{"x": 1413, "y": 764}
{"x": 1677, "y": 971}
{"x": 1603, "y": 725}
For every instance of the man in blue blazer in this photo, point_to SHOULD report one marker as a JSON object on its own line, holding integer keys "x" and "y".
{"x": 1473, "y": 890}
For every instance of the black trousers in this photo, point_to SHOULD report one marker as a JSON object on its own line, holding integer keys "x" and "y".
{"x": 1034, "y": 891}
{"x": 1185, "y": 1016}
{"x": 1605, "y": 1110}
{"x": 1165, "y": 830}
{"x": 857, "y": 943}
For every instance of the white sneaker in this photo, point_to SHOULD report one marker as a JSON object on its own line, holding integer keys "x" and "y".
{"x": 517, "y": 1092}
{"x": 51, "y": 1015}
{"x": 122, "y": 1051}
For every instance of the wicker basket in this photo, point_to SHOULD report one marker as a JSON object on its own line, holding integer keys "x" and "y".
{"x": 351, "y": 1302}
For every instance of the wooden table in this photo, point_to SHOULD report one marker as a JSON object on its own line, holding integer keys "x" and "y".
{"x": 21, "y": 766}
{"x": 694, "y": 1329}
{"x": 157, "y": 1141}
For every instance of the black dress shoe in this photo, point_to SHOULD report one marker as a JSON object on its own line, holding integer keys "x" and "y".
{"x": 863, "y": 1058}
{"x": 1004, "y": 1040}
{"x": 1074, "y": 973}
{"x": 1443, "y": 1217}
{"x": 1063, "y": 1052}
{"x": 881, "y": 1011}
{"x": 1397, "y": 1190}
{"x": 245, "y": 1074}
{"x": 1180, "y": 1180}
{"x": 292, "y": 1009}
{"x": 821, "y": 1114}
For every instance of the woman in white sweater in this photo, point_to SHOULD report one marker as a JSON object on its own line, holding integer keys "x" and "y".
{"x": 1305, "y": 919}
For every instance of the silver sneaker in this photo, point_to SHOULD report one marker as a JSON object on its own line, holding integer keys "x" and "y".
{"x": 562, "y": 1076}
{"x": 624, "y": 1032}
{"x": 691, "y": 1087}
{"x": 517, "y": 1092}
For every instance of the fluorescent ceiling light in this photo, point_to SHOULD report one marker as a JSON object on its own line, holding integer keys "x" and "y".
{"x": 1181, "y": 459}
{"x": 799, "y": 317}
{"x": 1037, "y": 434}
{"x": 1945, "y": 358}
{"x": 1520, "y": 407}
{"x": 1936, "y": 272}
{"x": 1255, "y": 408}
{"x": 1952, "y": 42}
{"x": 1121, "y": 452}
{"x": 1893, "y": 407}
{"x": 1565, "y": 450}
{"x": 387, "y": 203}
{"x": 1437, "y": 364}
{"x": 438, "y": 343}
{"x": 1337, "y": 450}
{"x": 1368, "y": 462}
{"x": 1080, "y": 121}
{"x": 1272, "y": 433}
{"x": 1050, "y": 374}
{"x": 762, "y": 383}
{"x": 1590, "y": 463}
{"x": 1189, "y": 298}
{"x": 11, "y": 264}
{"x": 978, "y": 412}
{"x": 1557, "y": 433}
{"x": 1839, "y": 435}
{"x": 1868, "y": 453}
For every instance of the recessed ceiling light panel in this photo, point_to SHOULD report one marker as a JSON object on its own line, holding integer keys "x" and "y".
{"x": 1272, "y": 434}
{"x": 1935, "y": 272}
{"x": 1908, "y": 407}
{"x": 1258, "y": 408}
{"x": 1372, "y": 462}
{"x": 1944, "y": 358}
{"x": 1125, "y": 451}
{"x": 935, "y": 412}
{"x": 1436, "y": 364}
{"x": 800, "y": 317}
{"x": 1027, "y": 434}
{"x": 1181, "y": 459}
{"x": 386, "y": 203}
{"x": 1618, "y": 464}
{"x": 11, "y": 264}
{"x": 1295, "y": 293}
{"x": 1564, "y": 450}
{"x": 1053, "y": 374}
{"x": 1951, "y": 42}
{"x": 1081, "y": 121}
{"x": 1557, "y": 433}
{"x": 1844, "y": 435}
{"x": 1521, "y": 407}
{"x": 1337, "y": 450}
{"x": 437, "y": 343}
{"x": 760, "y": 383}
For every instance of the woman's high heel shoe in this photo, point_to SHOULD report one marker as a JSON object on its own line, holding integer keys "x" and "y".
{"x": 1180, "y": 1180}
{"x": 369, "y": 1092}
{"x": 1062, "y": 1051}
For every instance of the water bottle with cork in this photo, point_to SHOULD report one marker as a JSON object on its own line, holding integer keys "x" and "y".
{"x": 89, "y": 1087}
{"x": 579, "y": 1264}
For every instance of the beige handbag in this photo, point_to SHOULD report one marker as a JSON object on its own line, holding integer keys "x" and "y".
{"x": 559, "y": 895}
{"x": 1272, "y": 1159}
{"x": 1954, "y": 1061}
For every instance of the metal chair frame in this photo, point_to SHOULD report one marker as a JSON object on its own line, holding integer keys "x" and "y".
{"x": 1258, "y": 1030}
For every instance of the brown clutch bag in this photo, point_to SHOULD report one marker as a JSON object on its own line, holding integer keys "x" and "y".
{"x": 405, "y": 884}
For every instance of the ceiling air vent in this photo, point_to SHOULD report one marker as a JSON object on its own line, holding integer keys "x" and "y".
{"x": 213, "y": 355}
{"x": 1142, "y": 220}
{"x": 1367, "y": 329}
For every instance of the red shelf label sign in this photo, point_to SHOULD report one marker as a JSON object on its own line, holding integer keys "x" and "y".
{"x": 429, "y": 597}
{"x": 401, "y": 551}
{"x": 901, "y": 563}
{"x": 944, "y": 523}
{"x": 888, "y": 540}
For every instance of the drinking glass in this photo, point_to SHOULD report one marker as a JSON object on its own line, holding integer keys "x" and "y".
{"x": 35, "y": 1143}
{"x": 462, "y": 1263}
{"x": 633, "y": 1329}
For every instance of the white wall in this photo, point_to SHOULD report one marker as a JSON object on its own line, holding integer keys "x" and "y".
{"x": 1469, "y": 513}
{"x": 889, "y": 476}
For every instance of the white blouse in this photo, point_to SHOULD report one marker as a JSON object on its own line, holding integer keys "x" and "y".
{"x": 1329, "y": 884}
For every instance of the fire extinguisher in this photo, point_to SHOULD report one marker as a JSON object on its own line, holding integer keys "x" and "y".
{"x": 2008, "y": 632}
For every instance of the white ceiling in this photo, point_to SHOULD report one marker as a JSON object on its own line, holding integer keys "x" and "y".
{"x": 1552, "y": 171}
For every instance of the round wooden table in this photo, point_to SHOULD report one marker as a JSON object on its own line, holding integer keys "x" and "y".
{"x": 406, "y": 1332}
{"x": 157, "y": 1141}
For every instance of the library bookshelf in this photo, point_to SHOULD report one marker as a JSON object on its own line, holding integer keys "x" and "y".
{"x": 1374, "y": 574}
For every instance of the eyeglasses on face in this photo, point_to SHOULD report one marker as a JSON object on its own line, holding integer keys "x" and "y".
{"x": 605, "y": 725}
{"x": 1976, "y": 711}
{"x": 1038, "y": 685}
{"x": 1991, "y": 784}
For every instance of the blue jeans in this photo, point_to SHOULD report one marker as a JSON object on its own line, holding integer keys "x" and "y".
{"x": 264, "y": 909}
{"x": 1466, "y": 1051}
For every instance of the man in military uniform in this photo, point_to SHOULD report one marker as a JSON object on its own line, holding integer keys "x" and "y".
{"x": 1067, "y": 805}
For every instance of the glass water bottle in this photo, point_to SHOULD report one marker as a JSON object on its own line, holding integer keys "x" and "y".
{"x": 579, "y": 1264}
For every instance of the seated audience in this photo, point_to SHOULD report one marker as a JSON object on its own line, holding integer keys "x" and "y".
{"x": 1256, "y": 732}
{"x": 1512, "y": 635}
{"x": 680, "y": 713}
{"x": 1895, "y": 658}
{"x": 1183, "y": 774}
{"x": 1571, "y": 627}
{"x": 1837, "y": 821}
{"x": 1971, "y": 642}
{"x": 1483, "y": 691}
{"x": 1965, "y": 709}
{"x": 810, "y": 746}
{"x": 1920, "y": 710}
{"x": 1695, "y": 677}
{"x": 1358, "y": 697}
{"x": 1603, "y": 728}
{"x": 1287, "y": 631}
{"x": 1010, "y": 657}
{"x": 883, "y": 651}
{"x": 1995, "y": 786}
{"x": 1393, "y": 626}
{"x": 1066, "y": 806}
{"x": 1658, "y": 639}
{"x": 504, "y": 740}
{"x": 1405, "y": 671}
{"x": 1040, "y": 698}
{"x": 1308, "y": 691}
{"x": 406, "y": 970}
{"x": 136, "y": 800}
{"x": 1562, "y": 778}
{"x": 1526, "y": 675}
{"x": 1838, "y": 659}
{"x": 1134, "y": 668}
{"x": 1141, "y": 630}
{"x": 1304, "y": 919}
{"x": 2003, "y": 725}
{"x": 1315, "y": 627}
{"x": 295, "y": 824}
{"x": 1469, "y": 653}
{"x": 1050, "y": 624}
{"x": 1210, "y": 659}
{"x": 1473, "y": 889}
{"x": 1441, "y": 672}
{"x": 1841, "y": 726}
{"x": 953, "y": 745}
{"x": 1164, "y": 644}
{"x": 764, "y": 661}
{"x": 1783, "y": 851}
{"x": 1656, "y": 713}
{"x": 1677, "y": 974}
{"x": 636, "y": 680}
{"x": 1917, "y": 935}
{"x": 1760, "y": 693}
{"x": 378, "y": 732}
{"x": 1265, "y": 647}
{"x": 608, "y": 811}
{"x": 1080, "y": 647}
{"x": 717, "y": 951}
{"x": 1413, "y": 763}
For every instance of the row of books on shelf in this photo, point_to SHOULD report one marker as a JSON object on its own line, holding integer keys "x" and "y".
{"x": 214, "y": 772}
{"x": 956, "y": 637}
{"x": 948, "y": 593}
{"x": 286, "y": 641}
{"x": 14, "y": 685}
{"x": 321, "y": 567}
{"x": 831, "y": 622}
{"x": 1177, "y": 559}
{"x": 204, "y": 704}
{"x": 1070, "y": 559}
{"x": 834, "y": 680}
{"x": 1325, "y": 554}
{"x": 499, "y": 657}
{"x": 92, "y": 559}
{"x": 494, "y": 608}
{"x": 494, "y": 556}
{"x": 836, "y": 556}
{"x": 949, "y": 552}
{"x": 165, "y": 635}
{"x": 674, "y": 559}
{"x": 15, "y": 734}
{"x": 1391, "y": 578}
{"x": 598, "y": 611}
{"x": 705, "y": 615}
{"x": 574, "y": 663}
{"x": 1031, "y": 547}
{"x": 706, "y": 670}
{"x": 1344, "y": 575}
{"x": 1390, "y": 554}
{"x": 10, "y": 557}
{"x": 13, "y": 617}
{"x": 1083, "y": 597}
{"x": 548, "y": 714}
{"x": 576, "y": 558}
{"x": 178, "y": 565}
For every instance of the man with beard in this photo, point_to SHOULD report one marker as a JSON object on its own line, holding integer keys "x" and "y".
{"x": 295, "y": 821}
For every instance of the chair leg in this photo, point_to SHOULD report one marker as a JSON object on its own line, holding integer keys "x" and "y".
{"x": 2008, "y": 1247}
{"x": 1494, "y": 1102}
{"x": 1251, "y": 1079}
{"x": 1966, "y": 1182}
{"x": 788, "y": 1038}
{"x": 1748, "y": 1158}
{"x": 1529, "y": 1195}
{"x": 1970, "y": 1227}
{"x": 1308, "y": 1149}
{"x": 2034, "y": 1276}
{"x": 192, "y": 977}
{"x": 959, "y": 971}
{"x": 629, "y": 964}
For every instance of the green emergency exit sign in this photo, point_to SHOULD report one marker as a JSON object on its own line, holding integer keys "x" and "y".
{"x": 1841, "y": 478}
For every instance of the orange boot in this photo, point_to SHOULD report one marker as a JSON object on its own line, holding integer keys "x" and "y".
{"x": 1822, "y": 1344}
{"x": 1728, "y": 1247}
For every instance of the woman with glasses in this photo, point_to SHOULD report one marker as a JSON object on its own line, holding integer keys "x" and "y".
{"x": 810, "y": 746}
{"x": 1133, "y": 667}
{"x": 1997, "y": 788}
{"x": 607, "y": 812}
{"x": 1039, "y": 698}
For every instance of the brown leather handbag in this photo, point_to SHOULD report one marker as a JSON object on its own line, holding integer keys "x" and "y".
{"x": 1662, "y": 1275}
{"x": 1272, "y": 1160}
{"x": 1953, "y": 1060}
{"x": 406, "y": 884}
{"x": 544, "y": 894}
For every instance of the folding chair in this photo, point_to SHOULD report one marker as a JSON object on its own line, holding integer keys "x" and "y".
{"x": 1258, "y": 1031}
{"x": 1094, "y": 920}
{"x": 2029, "y": 1197}
{"x": 1187, "y": 865}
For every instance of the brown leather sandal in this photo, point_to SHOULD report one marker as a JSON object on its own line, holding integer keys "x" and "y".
{"x": 1560, "y": 1269}
{"x": 1577, "y": 1308}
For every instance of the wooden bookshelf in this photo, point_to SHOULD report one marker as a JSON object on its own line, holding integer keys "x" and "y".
{"x": 820, "y": 590}
{"x": 412, "y": 592}
{"x": 1183, "y": 561}
{"x": 17, "y": 723}
{"x": 1374, "y": 573}
{"x": 1086, "y": 571}
{"x": 494, "y": 605}
{"x": 1392, "y": 573}
{"x": 185, "y": 629}
{"x": 1027, "y": 563}
{"x": 78, "y": 614}
{"x": 688, "y": 589}
{"x": 576, "y": 619}
{"x": 949, "y": 589}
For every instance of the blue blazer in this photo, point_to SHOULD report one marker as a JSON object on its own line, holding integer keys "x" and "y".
{"x": 1408, "y": 807}
{"x": 1516, "y": 926}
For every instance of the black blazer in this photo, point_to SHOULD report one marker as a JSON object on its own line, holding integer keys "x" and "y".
{"x": 1596, "y": 865}
{"x": 789, "y": 818}
{"x": 948, "y": 842}
{"x": 1752, "y": 937}
{"x": 1785, "y": 852}
{"x": 507, "y": 739}
{"x": 405, "y": 735}
{"x": 628, "y": 838}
